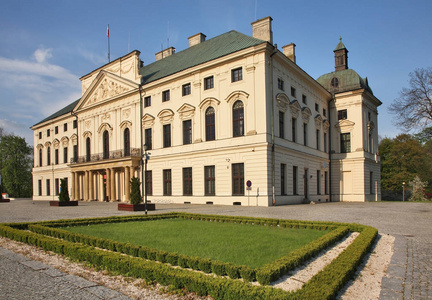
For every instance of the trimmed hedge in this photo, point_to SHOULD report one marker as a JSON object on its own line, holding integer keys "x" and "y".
{"x": 140, "y": 263}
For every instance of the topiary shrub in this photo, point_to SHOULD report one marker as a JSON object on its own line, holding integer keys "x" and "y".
{"x": 135, "y": 194}
{"x": 64, "y": 195}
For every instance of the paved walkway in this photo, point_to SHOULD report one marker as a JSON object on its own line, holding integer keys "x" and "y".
{"x": 408, "y": 277}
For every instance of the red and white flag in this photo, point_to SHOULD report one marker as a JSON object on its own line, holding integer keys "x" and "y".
{"x": 108, "y": 31}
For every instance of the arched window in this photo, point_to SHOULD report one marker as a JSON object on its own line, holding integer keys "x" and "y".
{"x": 126, "y": 142}
{"x": 105, "y": 144}
{"x": 88, "y": 149}
{"x": 210, "y": 124}
{"x": 48, "y": 156}
{"x": 238, "y": 119}
{"x": 40, "y": 157}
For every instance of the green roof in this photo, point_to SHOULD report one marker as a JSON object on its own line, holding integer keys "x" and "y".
{"x": 340, "y": 45}
{"x": 211, "y": 49}
{"x": 348, "y": 80}
{"x": 65, "y": 110}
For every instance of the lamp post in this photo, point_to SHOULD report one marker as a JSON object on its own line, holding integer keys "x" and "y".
{"x": 403, "y": 191}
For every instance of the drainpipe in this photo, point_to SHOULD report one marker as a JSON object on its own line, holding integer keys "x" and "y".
{"x": 272, "y": 126}
{"x": 142, "y": 150}
{"x": 330, "y": 148}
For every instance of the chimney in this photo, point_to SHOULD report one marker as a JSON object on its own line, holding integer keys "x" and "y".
{"x": 262, "y": 29}
{"x": 196, "y": 39}
{"x": 165, "y": 53}
{"x": 289, "y": 51}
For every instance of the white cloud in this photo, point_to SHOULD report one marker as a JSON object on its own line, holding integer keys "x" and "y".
{"x": 42, "y": 54}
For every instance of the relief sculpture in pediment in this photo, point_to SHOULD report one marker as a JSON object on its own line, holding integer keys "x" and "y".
{"x": 107, "y": 89}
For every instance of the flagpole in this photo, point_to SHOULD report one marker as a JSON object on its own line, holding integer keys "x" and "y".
{"x": 109, "y": 60}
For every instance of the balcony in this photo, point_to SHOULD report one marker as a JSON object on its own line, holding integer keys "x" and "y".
{"x": 134, "y": 152}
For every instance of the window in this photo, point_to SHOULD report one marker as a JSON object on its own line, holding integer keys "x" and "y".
{"x": 280, "y": 84}
{"x": 56, "y": 156}
{"x": 65, "y": 155}
{"x": 210, "y": 124}
{"x": 148, "y": 138}
{"x": 317, "y": 107}
{"x": 371, "y": 185}
{"x": 75, "y": 153}
{"x": 167, "y": 182}
{"x": 318, "y": 182}
{"x": 165, "y": 96}
{"x": 318, "y": 139}
{"x": 369, "y": 116}
{"x": 326, "y": 182}
{"x": 40, "y": 187}
{"x": 48, "y": 156}
{"x": 281, "y": 125}
{"x": 126, "y": 136}
{"x": 342, "y": 114}
{"x": 305, "y": 134}
{"x": 324, "y": 112}
{"x": 147, "y": 101}
{"x": 209, "y": 181}
{"x": 304, "y": 99}
{"x": 48, "y": 132}
{"x": 56, "y": 186}
{"x": 238, "y": 119}
{"x": 167, "y": 135}
{"x": 208, "y": 83}
{"x": 149, "y": 183}
{"x": 40, "y": 157}
{"x": 187, "y": 132}
{"x": 88, "y": 153}
{"x": 345, "y": 142}
{"x": 186, "y": 89}
{"x": 370, "y": 145}
{"x": 56, "y": 129}
{"x": 65, "y": 127}
{"x": 334, "y": 82}
{"x": 236, "y": 75}
{"x": 48, "y": 190}
{"x": 283, "y": 179}
{"x": 325, "y": 142}
{"x": 293, "y": 129}
{"x": 295, "y": 175}
{"x": 237, "y": 179}
{"x": 293, "y": 91}
{"x": 75, "y": 124}
{"x": 40, "y": 134}
{"x": 106, "y": 144}
{"x": 187, "y": 181}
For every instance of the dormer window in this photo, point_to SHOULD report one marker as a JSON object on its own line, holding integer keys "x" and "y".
{"x": 334, "y": 82}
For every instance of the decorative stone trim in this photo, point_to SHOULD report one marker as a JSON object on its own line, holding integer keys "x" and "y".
{"x": 186, "y": 111}
{"x": 282, "y": 102}
{"x": 147, "y": 121}
{"x": 166, "y": 116}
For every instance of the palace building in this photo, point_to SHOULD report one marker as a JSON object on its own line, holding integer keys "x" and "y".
{"x": 229, "y": 120}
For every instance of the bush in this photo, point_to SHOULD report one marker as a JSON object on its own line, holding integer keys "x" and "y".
{"x": 64, "y": 193}
{"x": 135, "y": 194}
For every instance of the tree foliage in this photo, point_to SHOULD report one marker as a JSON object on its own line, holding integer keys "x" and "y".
{"x": 418, "y": 189}
{"x": 135, "y": 194}
{"x": 16, "y": 161}
{"x": 414, "y": 105}
{"x": 64, "y": 193}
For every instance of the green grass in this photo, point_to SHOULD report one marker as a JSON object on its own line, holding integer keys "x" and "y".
{"x": 249, "y": 245}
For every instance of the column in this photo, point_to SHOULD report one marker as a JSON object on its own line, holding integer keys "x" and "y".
{"x": 85, "y": 186}
{"x": 91, "y": 185}
{"x": 73, "y": 187}
{"x": 108, "y": 184}
{"x": 127, "y": 184}
{"x": 112, "y": 185}
{"x": 76, "y": 193}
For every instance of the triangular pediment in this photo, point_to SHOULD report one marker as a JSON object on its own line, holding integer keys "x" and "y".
{"x": 105, "y": 87}
{"x": 344, "y": 124}
{"x": 186, "y": 111}
{"x": 295, "y": 108}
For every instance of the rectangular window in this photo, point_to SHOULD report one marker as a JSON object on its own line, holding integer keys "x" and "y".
{"x": 187, "y": 132}
{"x": 325, "y": 142}
{"x": 186, "y": 89}
{"x": 342, "y": 114}
{"x": 40, "y": 187}
{"x": 371, "y": 185}
{"x": 40, "y": 134}
{"x": 167, "y": 182}
{"x": 56, "y": 130}
{"x": 236, "y": 75}
{"x": 48, "y": 156}
{"x": 318, "y": 182}
{"x": 209, "y": 180}
{"x": 326, "y": 182}
{"x": 316, "y": 107}
{"x": 293, "y": 129}
{"x": 56, "y": 156}
{"x": 57, "y": 187}
{"x": 75, "y": 153}
{"x": 304, "y": 99}
{"x": 280, "y": 84}
{"x": 345, "y": 142}
{"x": 237, "y": 179}
{"x": 148, "y": 138}
{"x": 75, "y": 124}
{"x": 293, "y": 91}
{"x": 208, "y": 83}
{"x": 283, "y": 179}
{"x": 149, "y": 183}
{"x": 65, "y": 155}
{"x": 318, "y": 133}
{"x": 147, "y": 101}
{"x": 305, "y": 134}
{"x": 281, "y": 125}
{"x": 324, "y": 112}
{"x": 65, "y": 127}
{"x": 48, "y": 132}
{"x": 48, "y": 191}
{"x": 295, "y": 171}
{"x": 166, "y": 96}
{"x": 187, "y": 181}
{"x": 167, "y": 135}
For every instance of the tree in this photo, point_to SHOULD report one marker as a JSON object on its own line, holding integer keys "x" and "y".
{"x": 418, "y": 189}
{"x": 135, "y": 194}
{"x": 16, "y": 161}
{"x": 414, "y": 105}
{"x": 64, "y": 193}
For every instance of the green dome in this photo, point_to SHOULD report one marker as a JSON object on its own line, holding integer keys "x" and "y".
{"x": 343, "y": 81}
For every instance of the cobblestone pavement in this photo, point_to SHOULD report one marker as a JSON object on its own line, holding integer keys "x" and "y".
{"x": 408, "y": 277}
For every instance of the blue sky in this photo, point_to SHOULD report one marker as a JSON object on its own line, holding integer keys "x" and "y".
{"x": 47, "y": 45}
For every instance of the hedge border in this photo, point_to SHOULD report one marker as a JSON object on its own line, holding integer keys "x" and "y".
{"x": 324, "y": 285}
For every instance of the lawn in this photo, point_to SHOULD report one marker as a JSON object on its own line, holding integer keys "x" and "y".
{"x": 249, "y": 245}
